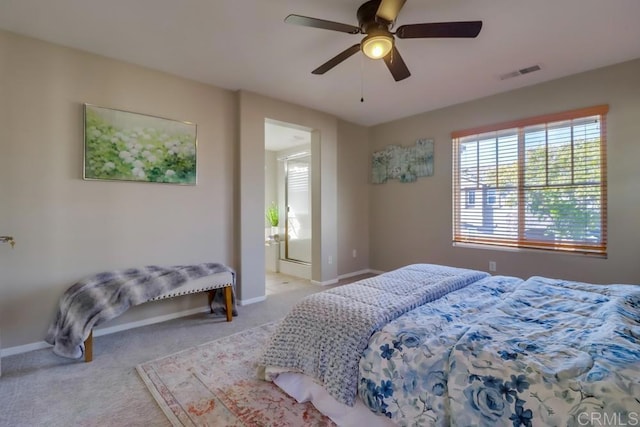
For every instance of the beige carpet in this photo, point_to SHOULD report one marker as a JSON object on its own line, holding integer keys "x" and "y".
{"x": 215, "y": 384}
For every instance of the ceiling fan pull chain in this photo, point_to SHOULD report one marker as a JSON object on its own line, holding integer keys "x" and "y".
{"x": 361, "y": 78}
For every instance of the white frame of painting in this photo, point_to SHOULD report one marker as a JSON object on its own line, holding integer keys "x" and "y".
{"x": 175, "y": 138}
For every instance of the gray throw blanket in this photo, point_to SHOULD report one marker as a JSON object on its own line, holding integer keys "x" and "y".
{"x": 107, "y": 295}
{"x": 325, "y": 334}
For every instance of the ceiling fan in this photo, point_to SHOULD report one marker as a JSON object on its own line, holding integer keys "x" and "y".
{"x": 376, "y": 19}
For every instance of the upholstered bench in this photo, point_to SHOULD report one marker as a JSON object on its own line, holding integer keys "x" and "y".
{"x": 208, "y": 284}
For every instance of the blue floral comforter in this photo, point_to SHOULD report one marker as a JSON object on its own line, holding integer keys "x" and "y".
{"x": 507, "y": 352}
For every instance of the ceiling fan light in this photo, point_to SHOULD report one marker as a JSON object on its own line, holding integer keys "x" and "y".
{"x": 377, "y": 46}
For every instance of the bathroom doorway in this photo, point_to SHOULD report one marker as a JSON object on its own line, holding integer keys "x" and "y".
{"x": 288, "y": 199}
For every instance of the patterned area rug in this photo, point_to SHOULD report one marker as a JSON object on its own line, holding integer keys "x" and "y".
{"x": 215, "y": 384}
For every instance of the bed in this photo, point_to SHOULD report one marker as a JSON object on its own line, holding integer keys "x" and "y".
{"x": 434, "y": 345}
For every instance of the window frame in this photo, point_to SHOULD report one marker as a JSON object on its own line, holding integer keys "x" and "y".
{"x": 599, "y": 248}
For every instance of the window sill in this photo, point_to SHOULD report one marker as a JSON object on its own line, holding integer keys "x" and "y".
{"x": 527, "y": 250}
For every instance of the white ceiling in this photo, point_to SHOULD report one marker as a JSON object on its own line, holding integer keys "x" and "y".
{"x": 281, "y": 136}
{"x": 244, "y": 44}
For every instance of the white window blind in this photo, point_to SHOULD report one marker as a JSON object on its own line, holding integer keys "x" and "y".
{"x": 537, "y": 183}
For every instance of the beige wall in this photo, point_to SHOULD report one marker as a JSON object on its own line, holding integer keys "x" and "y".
{"x": 67, "y": 228}
{"x": 412, "y": 222}
{"x": 353, "y": 198}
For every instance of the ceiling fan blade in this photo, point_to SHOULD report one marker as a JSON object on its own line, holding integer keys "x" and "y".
{"x": 389, "y": 9}
{"x": 464, "y": 29}
{"x": 396, "y": 65}
{"x": 337, "y": 59}
{"x": 305, "y": 21}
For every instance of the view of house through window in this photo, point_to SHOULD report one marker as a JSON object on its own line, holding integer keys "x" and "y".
{"x": 537, "y": 183}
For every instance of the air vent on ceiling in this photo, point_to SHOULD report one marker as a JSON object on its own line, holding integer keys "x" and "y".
{"x": 520, "y": 72}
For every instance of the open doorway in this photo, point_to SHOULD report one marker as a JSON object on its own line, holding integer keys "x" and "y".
{"x": 288, "y": 199}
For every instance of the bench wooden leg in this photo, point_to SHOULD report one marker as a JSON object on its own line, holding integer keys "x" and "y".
{"x": 228, "y": 303}
{"x": 88, "y": 347}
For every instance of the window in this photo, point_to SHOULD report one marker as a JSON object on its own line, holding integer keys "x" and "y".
{"x": 491, "y": 196}
{"x": 542, "y": 182}
{"x": 471, "y": 198}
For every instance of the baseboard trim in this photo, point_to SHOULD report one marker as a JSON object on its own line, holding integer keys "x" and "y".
{"x": 252, "y": 300}
{"x": 10, "y": 351}
{"x": 150, "y": 321}
{"x": 345, "y": 276}
{"x": 325, "y": 283}
{"x": 376, "y": 271}
{"x": 23, "y": 348}
{"x": 355, "y": 273}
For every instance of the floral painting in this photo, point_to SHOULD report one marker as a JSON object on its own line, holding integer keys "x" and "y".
{"x": 125, "y": 146}
{"x": 406, "y": 164}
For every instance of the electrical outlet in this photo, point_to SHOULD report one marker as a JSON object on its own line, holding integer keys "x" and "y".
{"x": 492, "y": 266}
{"x": 330, "y": 260}
{"x": 355, "y": 253}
